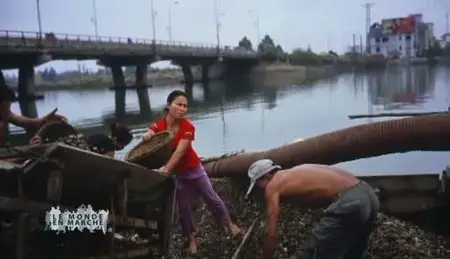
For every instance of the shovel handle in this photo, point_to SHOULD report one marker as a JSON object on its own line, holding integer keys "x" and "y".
{"x": 244, "y": 240}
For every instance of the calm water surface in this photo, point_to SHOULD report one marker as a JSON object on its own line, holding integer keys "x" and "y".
{"x": 234, "y": 116}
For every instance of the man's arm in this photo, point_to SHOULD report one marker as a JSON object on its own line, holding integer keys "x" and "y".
{"x": 273, "y": 214}
{"x": 25, "y": 122}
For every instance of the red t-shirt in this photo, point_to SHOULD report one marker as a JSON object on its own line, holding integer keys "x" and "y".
{"x": 190, "y": 159}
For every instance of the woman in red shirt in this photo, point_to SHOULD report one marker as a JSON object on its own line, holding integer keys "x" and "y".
{"x": 190, "y": 178}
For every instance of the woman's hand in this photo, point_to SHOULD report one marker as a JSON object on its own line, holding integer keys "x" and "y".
{"x": 147, "y": 135}
{"x": 163, "y": 169}
{"x": 52, "y": 116}
{"x": 36, "y": 140}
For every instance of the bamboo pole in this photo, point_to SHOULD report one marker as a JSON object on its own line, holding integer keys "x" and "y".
{"x": 401, "y": 114}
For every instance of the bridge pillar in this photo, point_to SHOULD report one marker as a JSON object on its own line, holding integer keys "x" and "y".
{"x": 205, "y": 73}
{"x": 120, "y": 91}
{"x": 187, "y": 71}
{"x": 141, "y": 75}
{"x": 189, "y": 90}
{"x": 142, "y": 92}
{"x": 26, "y": 81}
{"x": 118, "y": 77}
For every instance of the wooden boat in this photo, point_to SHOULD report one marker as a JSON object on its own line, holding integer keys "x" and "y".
{"x": 57, "y": 174}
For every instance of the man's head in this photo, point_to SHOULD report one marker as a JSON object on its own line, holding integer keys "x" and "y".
{"x": 260, "y": 173}
{"x": 7, "y": 96}
{"x": 121, "y": 135}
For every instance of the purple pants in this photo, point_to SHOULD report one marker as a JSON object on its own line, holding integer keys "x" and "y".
{"x": 196, "y": 182}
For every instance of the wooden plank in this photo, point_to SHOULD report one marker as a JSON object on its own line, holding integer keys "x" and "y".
{"x": 33, "y": 208}
{"x": 168, "y": 218}
{"x": 112, "y": 220}
{"x": 22, "y": 151}
{"x": 406, "y": 193}
{"x": 54, "y": 186}
{"x": 410, "y": 182}
{"x": 122, "y": 197}
{"x": 82, "y": 165}
{"x": 136, "y": 223}
{"x": 406, "y": 205}
{"x": 132, "y": 253}
{"x": 7, "y": 166}
{"x": 42, "y": 158}
{"x": 21, "y": 236}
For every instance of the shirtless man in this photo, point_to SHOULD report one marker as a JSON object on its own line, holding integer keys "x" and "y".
{"x": 344, "y": 230}
{"x": 6, "y": 116}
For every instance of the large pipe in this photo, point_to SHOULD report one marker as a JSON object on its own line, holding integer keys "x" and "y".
{"x": 422, "y": 133}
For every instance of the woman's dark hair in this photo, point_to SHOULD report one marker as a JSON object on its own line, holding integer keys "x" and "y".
{"x": 121, "y": 133}
{"x": 174, "y": 94}
{"x": 171, "y": 97}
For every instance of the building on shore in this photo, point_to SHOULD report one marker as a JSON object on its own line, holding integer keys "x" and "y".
{"x": 444, "y": 40}
{"x": 405, "y": 37}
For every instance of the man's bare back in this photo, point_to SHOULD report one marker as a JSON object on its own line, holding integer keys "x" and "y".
{"x": 349, "y": 201}
{"x": 311, "y": 184}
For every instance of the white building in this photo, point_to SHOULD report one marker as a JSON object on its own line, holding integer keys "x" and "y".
{"x": 445, "y": 39}
{"x": 400, "y": 37}
{"x": 429, "y": 35}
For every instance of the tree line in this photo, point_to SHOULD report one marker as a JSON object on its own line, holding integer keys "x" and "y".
{"x": 274, "y": 52}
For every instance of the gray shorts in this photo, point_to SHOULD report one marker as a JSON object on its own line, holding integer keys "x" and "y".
{"x": 343, "y": 232}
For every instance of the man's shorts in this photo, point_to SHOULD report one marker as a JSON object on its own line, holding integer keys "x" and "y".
{"x": 344, "y": 230}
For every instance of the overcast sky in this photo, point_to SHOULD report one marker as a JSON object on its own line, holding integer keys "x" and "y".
{"x": 291, "y": 23}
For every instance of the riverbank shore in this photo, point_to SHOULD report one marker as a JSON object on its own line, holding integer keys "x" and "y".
{"x": 266, "y": 74}
{"x": 274, "y": 75}
{"x": 104, "y": 81}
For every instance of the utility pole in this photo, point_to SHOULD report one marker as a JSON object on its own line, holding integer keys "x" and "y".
{"x": 368, "y": 7}
{"x": 361, "y": 44}
{"x": 217, "y": 21}
{"x": 216, "y": 16}
{"x": 153, "y": 21}
{"x": 169, "y": 29}
{"x": 38, "y": 9}
{"x": 256, "y": 24}
{"x": 446, "y": 22}
{"x": 94, "y": 17}
{"x": 328, "y": 40}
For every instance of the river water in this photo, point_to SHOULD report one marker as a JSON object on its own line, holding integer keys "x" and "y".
{"x": 234, "y": 115}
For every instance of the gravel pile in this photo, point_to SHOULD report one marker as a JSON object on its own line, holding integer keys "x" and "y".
{"x": 392, "y": 238}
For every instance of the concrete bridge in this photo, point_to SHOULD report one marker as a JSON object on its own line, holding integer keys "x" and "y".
{"x": 25, "y": 50}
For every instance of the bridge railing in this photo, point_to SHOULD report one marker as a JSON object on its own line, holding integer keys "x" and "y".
{"x": 36, "y": 39}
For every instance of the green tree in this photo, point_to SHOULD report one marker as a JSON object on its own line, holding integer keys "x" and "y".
{"x": 268, "y": 49}
{"x": 301, "y": 57}
{"x": 245, "y": 43}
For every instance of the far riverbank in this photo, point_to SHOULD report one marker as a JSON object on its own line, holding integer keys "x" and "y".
{"x": 263, "y": 74}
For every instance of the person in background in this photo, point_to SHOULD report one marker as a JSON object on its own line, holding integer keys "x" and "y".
{"x": 120, "y": 136}
{"x": 7, "y": 96}
{"x": 189, "y": 173}
{"x": 352, "y": 207}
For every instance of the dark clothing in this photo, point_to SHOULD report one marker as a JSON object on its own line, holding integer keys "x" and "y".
{"x": 344, "y": 230}
{"x": 102, "y": 144}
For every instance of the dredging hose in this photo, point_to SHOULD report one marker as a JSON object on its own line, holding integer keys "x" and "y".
{"x": 420, "y": 133}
